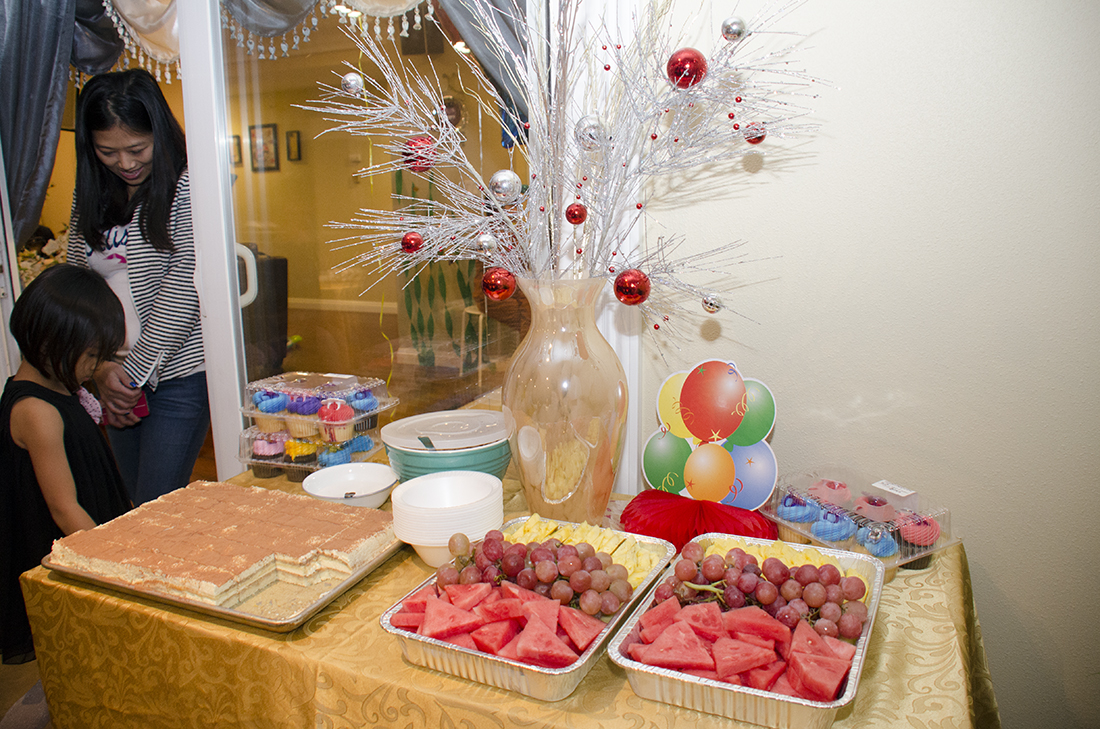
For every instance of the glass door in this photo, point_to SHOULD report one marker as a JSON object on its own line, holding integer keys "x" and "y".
{"x": 278, "y": 295}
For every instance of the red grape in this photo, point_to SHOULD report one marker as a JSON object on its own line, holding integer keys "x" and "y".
{"x": 692, "y": 551}
{"x": 511, "y": 564}
{"x": 775, "y": 571}
{"x": 685, "y": 570}
{"x": 766, "y": 593}
{"x": 600, "y": 580}
{"x": 623, "y": 590}
{"x": 850, "y": 626}
{"x": 826, "y": 627}
{"x": 713, "y": 568}
{"x": 853, "y": 587}
{"x": 470, "y": 575}
{"x": 829, "y": 574}
{"x": 747, "y": 582}
{"x": 830, "y": 611}
{"x": 814, "y": 594}
{"x": 590, "y": 602}
{"x": 459, "y": 545}
{"x": 585, "y": 550}
{"x": 562, "y": 592}
{"x": 609, "y": 603}
{"x": 446, "y": 575}
{"x": 580, "y": 581}
{"x": 527, "y": 578}
{"x": 733, "y": 597}
{"x": 806, "y": 574}
{"x": 791, "y": 589}
{"x": 546, "y": 571}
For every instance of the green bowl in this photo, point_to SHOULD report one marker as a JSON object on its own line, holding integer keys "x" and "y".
{"x": 492, "y": 458}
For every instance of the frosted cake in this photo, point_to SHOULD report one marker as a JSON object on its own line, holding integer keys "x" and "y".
{"x": 220, "y": 544}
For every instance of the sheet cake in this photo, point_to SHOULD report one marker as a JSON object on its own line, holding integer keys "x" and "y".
{"x": 220, "y": 544}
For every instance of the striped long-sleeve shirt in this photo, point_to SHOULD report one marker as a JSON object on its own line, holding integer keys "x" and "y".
{"x": 165, "y": 296}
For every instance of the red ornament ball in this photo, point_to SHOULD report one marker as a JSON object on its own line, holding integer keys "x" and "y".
{"x": 686, "y": 67}
{"x": 412, "y": 241}
{"x": 418, "y": 153}
{"x": 632, "y": 287}
{"x": 576, "y": 213}
{"x": 754, "y": 133}
{"x": 498, "y": 283}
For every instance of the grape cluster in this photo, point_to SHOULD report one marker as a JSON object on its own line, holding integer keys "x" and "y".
{"x": 825, "y": 598}
{"x": 573, "y": 574}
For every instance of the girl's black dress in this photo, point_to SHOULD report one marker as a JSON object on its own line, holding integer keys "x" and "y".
{"x": 27, "y": 530}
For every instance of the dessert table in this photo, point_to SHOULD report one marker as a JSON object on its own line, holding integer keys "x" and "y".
{"x": 111, "y": 660}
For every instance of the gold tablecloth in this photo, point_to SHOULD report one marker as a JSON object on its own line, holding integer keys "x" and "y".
{"x": 110, "y": 660}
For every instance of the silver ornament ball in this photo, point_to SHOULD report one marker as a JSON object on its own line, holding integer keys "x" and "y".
{"x": 505, "y": 186}
{"x": 353, "y": 83}
{"x": 712, "y": 304}
{"x": 486, "y": 243}
{"x": 590, "y": 133}
{"x": 733, "y": 29}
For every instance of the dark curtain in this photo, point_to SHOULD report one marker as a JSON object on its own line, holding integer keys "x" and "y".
{"x": 509, "y": 15}
{"x": 269, "y": 17}
{"x": 36, "y": 41}
{"x": 96, "y": 45}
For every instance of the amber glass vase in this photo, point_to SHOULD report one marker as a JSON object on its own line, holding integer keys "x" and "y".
{"x": 565, "y": 397}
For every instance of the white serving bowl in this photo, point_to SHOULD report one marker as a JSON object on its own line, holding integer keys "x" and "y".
{"x": 434, "y": 556}
{"x": 429, "y": 509}
{"x": 355, "y": 484}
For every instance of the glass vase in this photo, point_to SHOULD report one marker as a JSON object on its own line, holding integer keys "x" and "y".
{"x": 565, "y": 398}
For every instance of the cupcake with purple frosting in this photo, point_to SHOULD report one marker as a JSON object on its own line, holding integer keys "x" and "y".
{"x": 302, "y": 410}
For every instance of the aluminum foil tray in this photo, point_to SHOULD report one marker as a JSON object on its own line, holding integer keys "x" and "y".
{"x": 545, "y": 684}
{"x": 741, "y": 702}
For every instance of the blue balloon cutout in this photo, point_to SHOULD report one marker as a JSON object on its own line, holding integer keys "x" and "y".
{"x": 757, "y": 474}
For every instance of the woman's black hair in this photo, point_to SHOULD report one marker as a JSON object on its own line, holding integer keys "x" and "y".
{"x": 63, "y": 313}
{"x": 133, "y": 100}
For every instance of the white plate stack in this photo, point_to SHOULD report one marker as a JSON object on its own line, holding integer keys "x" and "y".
{"x": 429, "y": 510}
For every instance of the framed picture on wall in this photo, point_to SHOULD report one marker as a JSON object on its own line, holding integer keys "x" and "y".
{"x": 263, "y": 142}
{"x": 235, "y": 149}
{"x": 293, "y": 146}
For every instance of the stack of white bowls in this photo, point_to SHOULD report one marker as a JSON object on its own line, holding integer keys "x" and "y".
{"x": 428, "y": 510}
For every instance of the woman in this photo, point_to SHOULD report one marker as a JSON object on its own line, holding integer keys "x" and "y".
{"x": 131, "y": 222}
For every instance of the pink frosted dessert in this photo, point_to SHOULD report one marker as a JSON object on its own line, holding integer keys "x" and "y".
{"x": 832, "y": 492}
{"x": 874, "y": 508}
{"x": 336, "y": 418}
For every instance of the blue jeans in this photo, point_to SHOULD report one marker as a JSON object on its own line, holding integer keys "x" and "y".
{"x": 158, "y": 454}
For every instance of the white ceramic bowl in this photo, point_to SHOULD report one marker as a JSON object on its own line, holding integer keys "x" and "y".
{"x": 355, "y": 484}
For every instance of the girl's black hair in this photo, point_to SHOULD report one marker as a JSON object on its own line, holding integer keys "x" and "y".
{"x": 131, "y": 99}
{"x": 64, "y": 312}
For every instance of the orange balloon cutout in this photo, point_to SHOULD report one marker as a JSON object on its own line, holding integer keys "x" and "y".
{"x": 709, "y": 473}
{"x": 668, "y": 406}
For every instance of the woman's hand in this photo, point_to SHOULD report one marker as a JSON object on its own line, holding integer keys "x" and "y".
{"x": 116, "y": 394}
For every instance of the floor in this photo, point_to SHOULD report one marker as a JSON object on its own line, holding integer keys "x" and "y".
{"x": 420, "y": 389}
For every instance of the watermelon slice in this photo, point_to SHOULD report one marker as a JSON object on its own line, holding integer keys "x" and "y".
{"x": 407, "y": 619}
{"x": 466, "y": 596}
{"x": 705, "y": 619}
{"x": 757, "y": 640}
{"x": 816, "y": 677}
{"x": 414, "y": 603}
{"x": 657, "y": 618}
{"x": 537, "y": 644}
{"x": 464, "y": 640}
{"x": 511, "y": 589}
{"x": 504, "y": 608}
{"x": 733, "y": 656}
{"x": 676, "y": 647}
{"x": 581, "y": 627}
{"x": 841, "y": 648}
{"x": 509, "y": 650}
{"x": 807, "y": 640}
{"x": 764, "y": 677}
{"x": 544, "y": 610}
{"x": 783, "y": 686}
{"x": 491, "y": 637}
{"x": 704, "y": 673}
{"x": 443, "y": 620}
{"x": 755, "y": 621}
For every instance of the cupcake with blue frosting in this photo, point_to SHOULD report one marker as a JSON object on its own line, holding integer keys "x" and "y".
{"x": 796, "y": 514}
{"x": 270, "y": 406}
{"x": 835, "y": 528}
{"x": 876, "y": 540}
{"x": 364, "y": 402}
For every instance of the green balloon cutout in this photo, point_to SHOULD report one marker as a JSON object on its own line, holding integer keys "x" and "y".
{"x": 663, "y": 461}
{"x": 759, "y": 415}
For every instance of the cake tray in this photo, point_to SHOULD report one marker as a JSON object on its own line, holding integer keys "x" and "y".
{"x": 280, "y": 607}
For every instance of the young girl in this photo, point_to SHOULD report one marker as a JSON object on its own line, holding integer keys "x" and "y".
{"x": 131, "y": 222}
{"x": 58, "y": 475}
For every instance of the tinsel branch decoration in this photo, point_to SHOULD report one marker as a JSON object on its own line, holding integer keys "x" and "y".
{"x": 607, "y": 117}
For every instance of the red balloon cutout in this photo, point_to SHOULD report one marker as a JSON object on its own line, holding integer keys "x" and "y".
{"x": 713, "y": 401}
{"x": 498, "y": 283}
{"x": 686, "y": 67}
{"x": 632, "y": 287}
{"x": 418, "y": 153}
{"x": 411, "y": 242}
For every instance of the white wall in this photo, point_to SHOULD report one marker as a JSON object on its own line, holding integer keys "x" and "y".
{"x": 934, "y": 313}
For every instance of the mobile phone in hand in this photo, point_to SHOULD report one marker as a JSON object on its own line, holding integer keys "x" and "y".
{"x": 141, "y": 409}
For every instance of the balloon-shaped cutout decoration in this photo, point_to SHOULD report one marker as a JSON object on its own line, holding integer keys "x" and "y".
{"x": 668, "y": 405}
{"x": 712, "y": 400}
{"x": 757, "y": 474}
{"x": 663, "y": 461}
{"x": 710, "y": 473}
{"x": 759, "y": 415}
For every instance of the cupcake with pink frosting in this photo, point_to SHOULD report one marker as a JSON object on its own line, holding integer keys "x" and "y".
{"x": 873, "y": 507}
{"x": 918, "y": 535}
{"x": 827, "y": 491}
{"x": 337, "y": 421}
